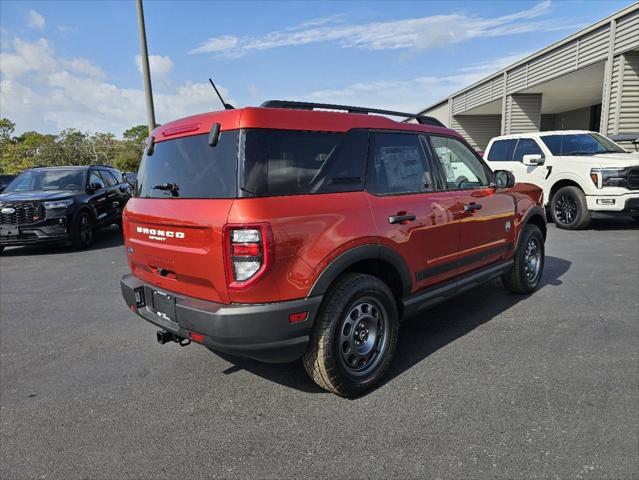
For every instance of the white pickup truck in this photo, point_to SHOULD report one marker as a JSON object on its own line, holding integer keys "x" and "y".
{"x": 583, "y": 174}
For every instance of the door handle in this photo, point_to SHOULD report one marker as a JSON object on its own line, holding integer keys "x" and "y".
{"x": 402, "y": 218}
{"x": 469, "y": 207}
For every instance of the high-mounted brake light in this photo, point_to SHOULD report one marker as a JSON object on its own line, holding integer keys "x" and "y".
{"x": 248, "y": 253}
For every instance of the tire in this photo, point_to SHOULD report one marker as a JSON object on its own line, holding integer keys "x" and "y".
{"x": 635, "y": 218}
{"x": 568, "y": 209}
{"x": 529, "y": 258}
{"x": 344, "y": 357}
{"x": 1, "y": 248}
{"x": 82, "y": 231}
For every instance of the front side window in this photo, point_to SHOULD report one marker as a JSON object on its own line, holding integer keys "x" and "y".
{"x": 292, "y": 162}
{"x": 54, "y": 179}
{"x": 188, "y": 167}
{"x": 460, "y": 165}
{"x": 526, "y": 146}
{"x": 580, "y": 144}
{"x": 398, "y": 165}
{"x": 502, "y": 150}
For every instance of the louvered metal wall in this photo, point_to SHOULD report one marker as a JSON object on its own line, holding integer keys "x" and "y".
{"x": 523, "y": 113}
{"x": 623, "y": 112}
{"x": 478, "y": 129}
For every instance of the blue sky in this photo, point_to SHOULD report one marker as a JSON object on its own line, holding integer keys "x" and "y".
{"x": 73, "y": 64}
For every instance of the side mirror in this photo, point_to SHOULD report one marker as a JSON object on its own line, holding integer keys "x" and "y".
{"x": 504, "y": 179}
{"x": 534, "y": 159}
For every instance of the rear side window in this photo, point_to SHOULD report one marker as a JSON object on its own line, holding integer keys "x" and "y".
{"x": 501, "y": 151}
{"x": 95, "y": 180}
{"x": 290, "y": 162}
{"x": 526, "y": 146}
{"x": 189, "y": 167}
{"x": 398, "y": 165}
{"x": 108, "y": 177}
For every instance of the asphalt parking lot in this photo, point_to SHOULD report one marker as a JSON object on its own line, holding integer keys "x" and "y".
{"x": 488, "y": 385}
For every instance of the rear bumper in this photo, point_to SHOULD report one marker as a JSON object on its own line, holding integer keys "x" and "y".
{"x": 261, "y": 331}
{"x": 626, "y": 204}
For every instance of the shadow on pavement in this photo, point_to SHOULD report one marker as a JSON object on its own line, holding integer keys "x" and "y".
{"x": 421, "y": 335}
{"x": 103, "y": 238}
{"x": 614, "y": 224}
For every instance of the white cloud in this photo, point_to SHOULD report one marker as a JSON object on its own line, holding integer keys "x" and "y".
{"x": 41, "y": 91}
{"x": 35, "y": 20}
{"x": 412, "y": 33}
{"x": 410, "y": 95}
{"x": 160, "y": 66}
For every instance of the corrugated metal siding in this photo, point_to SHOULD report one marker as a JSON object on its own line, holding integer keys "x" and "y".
{"x": 523, "y": 113}
{"x": 458, "y": 104}
{"x": 479, "y": 95}
{"x": 516, "y": 79}
{"x": 558, "y": 62}
{"x": 629, "y": 108}
{"x": 613, "y": 95}
{"x": 627, "y": 34}
{"x": 478, "y": 129}
{"x": 593, "y": 47}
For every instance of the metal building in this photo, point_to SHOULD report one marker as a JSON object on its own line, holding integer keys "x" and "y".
{"x": 589, "y": 80}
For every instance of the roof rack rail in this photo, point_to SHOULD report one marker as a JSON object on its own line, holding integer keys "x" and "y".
{"x": 421, "y": 119}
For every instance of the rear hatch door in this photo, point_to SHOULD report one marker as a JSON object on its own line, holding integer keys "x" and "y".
{"x": 174, "y": 226}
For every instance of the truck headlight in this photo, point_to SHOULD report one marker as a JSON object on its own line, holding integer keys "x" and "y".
{"x": 609, "y": 177}
{"x": 58, "y": 204}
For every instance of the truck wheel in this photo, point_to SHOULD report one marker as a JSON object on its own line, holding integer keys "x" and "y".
{"x": 354, "y": 336}
{"x": 529, "y": 259}
{"x": 569, "y": 209}
{"x": 82, "y": 231}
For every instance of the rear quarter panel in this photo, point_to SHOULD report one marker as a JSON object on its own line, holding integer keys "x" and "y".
{"x": 309, "y": 232}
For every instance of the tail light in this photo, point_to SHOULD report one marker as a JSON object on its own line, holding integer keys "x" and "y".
{"x": 248, "y": 253}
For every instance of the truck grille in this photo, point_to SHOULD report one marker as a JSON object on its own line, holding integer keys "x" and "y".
{"x": 27, "y": 212}
{"x": 633, "y": 178}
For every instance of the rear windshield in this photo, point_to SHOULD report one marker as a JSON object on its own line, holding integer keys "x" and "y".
{"x": 290, "y": 162}
{"x": 189, "y": 167}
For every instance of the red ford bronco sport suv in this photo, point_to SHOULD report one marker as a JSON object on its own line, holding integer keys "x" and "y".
{"x": 290, "y": 231}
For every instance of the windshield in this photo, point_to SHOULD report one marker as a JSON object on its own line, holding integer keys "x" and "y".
{"x": 580, "y": 144}
{"x": 45, "y": 180}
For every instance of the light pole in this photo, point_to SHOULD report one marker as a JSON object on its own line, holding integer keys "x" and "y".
{"x": 148, "y": 91}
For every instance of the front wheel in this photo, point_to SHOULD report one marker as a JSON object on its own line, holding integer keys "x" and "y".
{"x": 82, "y": 231}
{"x": 569, "y": 209}
{"x": 529, "y": 260}
{"x": 354, "y": 336}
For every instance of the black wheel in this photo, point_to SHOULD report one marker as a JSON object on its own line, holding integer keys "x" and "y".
{"x": 1, "y": 248}
{"x": 354, "y": 336}
{"x": 529, "y": 258}
{"x": 568, "y": 208}
{"x": 82, "y": 231}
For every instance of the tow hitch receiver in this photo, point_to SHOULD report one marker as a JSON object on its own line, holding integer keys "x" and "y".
{"x": 164, "y": 337}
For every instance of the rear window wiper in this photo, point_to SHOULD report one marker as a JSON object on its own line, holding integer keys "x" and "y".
{"x": 172, "y": 188}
